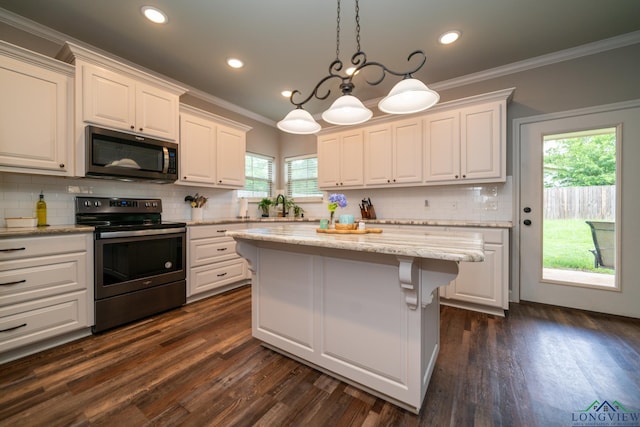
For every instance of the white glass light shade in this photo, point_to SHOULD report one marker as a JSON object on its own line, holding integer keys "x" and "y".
{"x": 347, "y": 110}
{"x": 299, "y": 121}
{"x": 408, "y": 96}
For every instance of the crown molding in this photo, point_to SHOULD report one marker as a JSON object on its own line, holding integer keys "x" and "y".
{"x": 542, "y": 60}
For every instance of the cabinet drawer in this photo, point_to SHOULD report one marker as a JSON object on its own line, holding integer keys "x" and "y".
{"x": 27, "y": 247}
{"x": 489, "y": 235}
{"x": 209, "y": 231}
{"x": 27, "y": 323}
{"x": 213, "y": 276}
{"x": 206, "y": 251}
{"x": 28, "y": 279}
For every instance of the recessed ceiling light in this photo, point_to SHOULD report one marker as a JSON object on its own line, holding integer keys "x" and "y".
{"x": 286, "y": 93}
{"x": 449, "y": 37}
{"x": 235, "y": 63}
{"x": 154, "y": 15}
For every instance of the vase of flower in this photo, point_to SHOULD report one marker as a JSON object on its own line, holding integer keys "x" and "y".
{"x": 335, "y": 201}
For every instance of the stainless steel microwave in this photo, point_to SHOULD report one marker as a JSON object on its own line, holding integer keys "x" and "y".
{"x": 124, "y": 156}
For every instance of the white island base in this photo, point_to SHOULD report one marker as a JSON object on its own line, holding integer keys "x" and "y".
{"x": 370, "y": 319}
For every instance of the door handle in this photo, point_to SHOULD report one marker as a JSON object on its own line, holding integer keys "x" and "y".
{"x": 527, "y": 222}
{"x": 527, "y": 209}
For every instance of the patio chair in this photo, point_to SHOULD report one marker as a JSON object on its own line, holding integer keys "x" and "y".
{"x": 604, "y": 239}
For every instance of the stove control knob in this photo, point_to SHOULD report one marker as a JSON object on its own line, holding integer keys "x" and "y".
{"x": 97, "y": 204}
{"x": 87, "y": 203}
{"x": 155, "y": 204}
{"x": 146, "y": 204}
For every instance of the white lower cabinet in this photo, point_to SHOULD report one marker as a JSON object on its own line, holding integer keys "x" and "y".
{"x": 46, "y": 291}
{"x": 214, "y": 265}
{"x": 482, "y": 286}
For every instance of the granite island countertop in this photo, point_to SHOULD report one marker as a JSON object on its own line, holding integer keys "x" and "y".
{"x": 445, "y": 245}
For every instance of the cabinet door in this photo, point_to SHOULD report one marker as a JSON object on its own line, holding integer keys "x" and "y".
{"x": 352, "y": 159}
{"x": 329, "y": 161}
{"x": 34, "y": 111}
{"x": 231, "y": 148}
{"x": 378, "y": 150}
{"x": 156, "y": 112}
{"x": 108, "y": 98}
{"x": 480, "y": 142}
{"x": 197, "y": 150}
{"x": 442, "y": 147}
{"x": 407, "y": 151}
{"x": 481, "y": 282}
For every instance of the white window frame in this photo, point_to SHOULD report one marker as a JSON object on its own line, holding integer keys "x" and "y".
{"x": 243, "y": 192}
{"x": 300, "y": 199}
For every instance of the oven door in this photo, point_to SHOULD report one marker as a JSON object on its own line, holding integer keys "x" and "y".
{"x": 127, "y": 261}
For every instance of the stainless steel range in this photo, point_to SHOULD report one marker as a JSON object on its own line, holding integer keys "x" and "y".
{"x": 139, "y": 260}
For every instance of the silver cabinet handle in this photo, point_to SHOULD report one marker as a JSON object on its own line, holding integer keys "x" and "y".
{"x": 13, "y": 283}
{"x": 13, "y": 328}
{"x": 222, "y": 274}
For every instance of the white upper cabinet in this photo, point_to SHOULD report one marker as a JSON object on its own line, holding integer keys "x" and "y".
{"x": 36, "y": 108}
{"x": 466, "y": 144}
{"x": 115, "y": 100}
{"x": 212, "y": 150}
{"x": 457, "y": 142}
{"x": 197, "y": 150}
{"x": 393, "y": 153}
{"x": 340, "y": 159}
{"x": 230, "y": 157}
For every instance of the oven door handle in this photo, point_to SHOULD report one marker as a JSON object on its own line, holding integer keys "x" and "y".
{"x": 136, "y": 233}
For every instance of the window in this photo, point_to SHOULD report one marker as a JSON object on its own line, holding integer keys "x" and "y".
{"x": 258, "y": 172}
{"x": 302, "y": 176}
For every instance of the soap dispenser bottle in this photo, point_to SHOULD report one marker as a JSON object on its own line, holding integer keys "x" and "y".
{"x": 41, "y": 211}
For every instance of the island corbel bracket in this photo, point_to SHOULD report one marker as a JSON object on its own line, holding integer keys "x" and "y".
{"x": 408, "y": 275}
{"x": 435, "y": 273}
{"x": 248, "y": 252}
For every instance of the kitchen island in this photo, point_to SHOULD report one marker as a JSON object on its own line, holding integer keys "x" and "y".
{"x": 361, "y": 307}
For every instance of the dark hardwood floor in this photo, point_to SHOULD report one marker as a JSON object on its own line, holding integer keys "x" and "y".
{"x": 199, "y": 366}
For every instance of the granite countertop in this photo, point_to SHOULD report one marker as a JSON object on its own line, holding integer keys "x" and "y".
{"x": 390, "y": 221}
{"x": 70, "y": 229}
{"x": 446, "y": 245}
{"x": 50, "y": 229}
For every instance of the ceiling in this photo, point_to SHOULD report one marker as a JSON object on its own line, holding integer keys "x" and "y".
{"x": 289, "y": 44}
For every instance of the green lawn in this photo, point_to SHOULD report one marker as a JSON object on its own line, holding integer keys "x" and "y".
{"x": 566, "y": 246}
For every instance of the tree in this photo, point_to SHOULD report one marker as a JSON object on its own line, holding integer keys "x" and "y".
{"x": 580, "y": 161}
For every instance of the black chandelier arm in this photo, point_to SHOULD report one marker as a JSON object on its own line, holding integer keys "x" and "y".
{"x": 334, "y": 69}
{"x": 359, "y": 59}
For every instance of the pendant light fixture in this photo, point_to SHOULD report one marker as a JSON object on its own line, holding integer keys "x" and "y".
{"x": 407, "y": 96}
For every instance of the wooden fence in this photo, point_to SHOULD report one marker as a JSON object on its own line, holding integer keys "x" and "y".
{"x": 596, "y": 203}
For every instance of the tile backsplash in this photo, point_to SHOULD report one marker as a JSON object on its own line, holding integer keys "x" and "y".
{"x": 19, "y": 194}
{"x": 487, "y": 202}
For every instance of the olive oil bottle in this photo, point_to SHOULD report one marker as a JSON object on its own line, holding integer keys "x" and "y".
{"x": 41, "y": 211}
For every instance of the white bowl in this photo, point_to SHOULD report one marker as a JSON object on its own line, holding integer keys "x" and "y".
{"x": 21, "y": 222}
